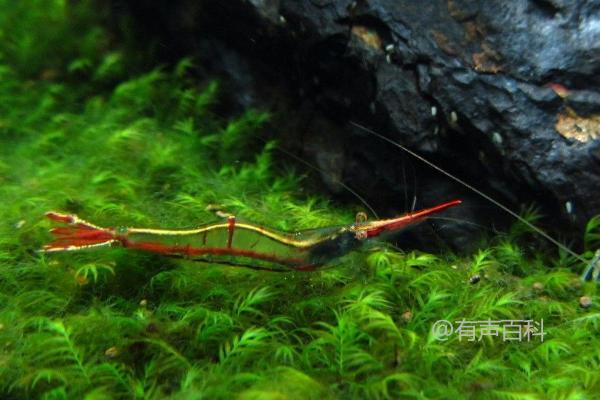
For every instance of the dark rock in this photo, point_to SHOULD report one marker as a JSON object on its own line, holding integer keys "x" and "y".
{"x": 584, "y": 102}
{"x": 504, "y": 94}
{"x": 594, "y": 151}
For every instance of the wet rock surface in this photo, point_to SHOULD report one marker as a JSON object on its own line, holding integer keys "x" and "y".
{"x": 505, "y": 95}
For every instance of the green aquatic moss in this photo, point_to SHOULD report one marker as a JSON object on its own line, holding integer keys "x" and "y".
{"x": 79, "y": 134}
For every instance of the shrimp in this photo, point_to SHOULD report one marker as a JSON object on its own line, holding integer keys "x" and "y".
{"x": 235, "y": 243}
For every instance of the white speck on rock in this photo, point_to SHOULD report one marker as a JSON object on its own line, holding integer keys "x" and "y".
{"x": 453, "y": 117}
{"x": 497, "y": 138}
{"x": 569, "y": 207}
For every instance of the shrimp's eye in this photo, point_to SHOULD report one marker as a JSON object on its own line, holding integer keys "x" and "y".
{"x": 361, "y": 218}
{"x": 361, "y": 235}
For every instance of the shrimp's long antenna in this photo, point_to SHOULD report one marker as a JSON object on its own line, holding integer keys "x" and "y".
{"x": 473, "y": 189}
{"x": 314, "y": 167}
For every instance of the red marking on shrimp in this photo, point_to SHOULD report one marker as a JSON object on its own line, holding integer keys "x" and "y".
{"x": 167, "y": 249}
{"x": 54, "y": 216}
{"x": 230, "y": 230}
{"x": 82, "y": 234}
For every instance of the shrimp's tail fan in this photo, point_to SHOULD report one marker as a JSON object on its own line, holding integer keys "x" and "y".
{"x": 592, "y": 271}
{"x": 77, "y": 235}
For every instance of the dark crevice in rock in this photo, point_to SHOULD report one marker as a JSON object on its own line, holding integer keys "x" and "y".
{"x": 547, "y": 8}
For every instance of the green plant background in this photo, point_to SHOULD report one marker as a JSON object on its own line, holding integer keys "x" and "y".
{"x": 82, "y": 131}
